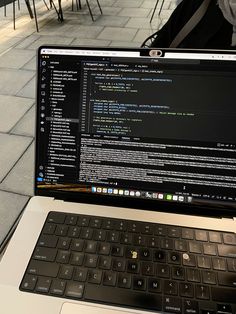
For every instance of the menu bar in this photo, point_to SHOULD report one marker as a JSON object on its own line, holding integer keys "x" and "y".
{"x": 103, "y": 53}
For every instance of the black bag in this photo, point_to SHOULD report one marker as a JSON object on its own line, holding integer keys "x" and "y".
{"x": 213, "y": 31}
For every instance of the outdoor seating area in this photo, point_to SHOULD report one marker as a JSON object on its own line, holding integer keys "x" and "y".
{"x": 122, "y": 23}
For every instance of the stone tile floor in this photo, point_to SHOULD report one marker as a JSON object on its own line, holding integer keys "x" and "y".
{"x": 123, "y": 23}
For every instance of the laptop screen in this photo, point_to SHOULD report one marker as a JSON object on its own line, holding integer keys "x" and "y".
{"x": 137, "y": 124}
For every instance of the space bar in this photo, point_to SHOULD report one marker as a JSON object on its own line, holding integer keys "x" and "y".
{"x": 123, "y": 297}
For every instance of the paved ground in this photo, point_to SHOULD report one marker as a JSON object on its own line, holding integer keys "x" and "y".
{"x": 123, "y": 23}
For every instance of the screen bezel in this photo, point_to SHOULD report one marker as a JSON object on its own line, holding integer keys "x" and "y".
{"x": 220, "y": 209}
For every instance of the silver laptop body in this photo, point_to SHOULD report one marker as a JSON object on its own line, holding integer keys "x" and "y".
{"x": 131, "y": 137}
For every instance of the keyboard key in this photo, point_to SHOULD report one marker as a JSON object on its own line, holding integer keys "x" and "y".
{"x": 174, "y": 258}
{"x": 99, "y": 235}
{"x": 80, "y": 274}
{"x": 90, "y": 247}
{"x": 147, "y": 269}
{"x": 64, "y": 243}
{"x": 117, "y": 250}
{"x": 163, "y": 271}
{"x": 58, "y": 287}
{"x": 174, "y": 232}
{"x": 108, "y": 224}
{"x": 172, "y": 305}
{"x": 203, "y": 262}
{"x": 131, "y": 252}
{"x": 145, "y": 254}
{"x": 227, "y": 279}
{"x": 167, "y": 244}
{"x": 104, "y": 248}
{"x": 215, "y": 237}
{"x": 181, "y": 245}
{"x": 74, "y": 232}
{"x": 147, "y": 229}
{"x": 227, "y": 250}
{"x": 229, "y": 238}
{"x": 190, "y": 306}
{"x": 43, "y": 285}
{"x": 56, "y": 218}
{"x": 160, "y": 256}
{"x": 94, "y": 276}
{"x": 160, "y": 230}
{"x": 186, "y": 290}
{"x": 219, "y": 263}
{"x": 91, "y": 260}
{"x": 170, "y": 287}
{"x": 209, "y": 249}
{"x": 124, "y": 281}
{"x": 139, "y": 240}
{"x": 95, "y": 223}
{"x": 178, "y": 273}
{"x": 113, "y": 236}
{"x": 63, "y": 257}
{"x": 49, "y": 228}
{"x": 231, "y": 262}
{"x": 109, "y": 278}
{"x": 187, "y": 234}
{"x": 66, "y": 272}
{"x": 104, "y": 262}
{"x": 154, "y": 285}
{"x": 132, "y": 267}
{"x": 202, "y": 292}
{"x": 61, "y": 230}
{"x": 208, "y": 277}
{"x": 201, "y": 235}
{"x": 208, "y": 311}
{"x": 77, "y": 258}
{"x": 195, "y": 247}
{"x": 139, "y": 283}
{"x": 29, "y": 282}
{"x": 134, "y": 227}
{"x": 74, "y": 290}
{"x": 48, "y": 241}
{"x": 118, "y": 264}
{"x": 224, "y": 308}
{"x": 71, "y": 220}
{"x": 86, "y": 233}
{"x": 152, "y": 242}
{"x": 121, "y": 225}
{"x": 43, "y": 268}
{"x": 77, "y": 245}
{"x": 45, "y": 254}
{"x": 189, "y": 260}
{"x": 193, "y": 275}
{"x": 83, "y": 221}
{"x": 126, "y": 238}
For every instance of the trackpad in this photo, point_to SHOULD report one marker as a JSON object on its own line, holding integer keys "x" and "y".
{"x": 72, "y": 308}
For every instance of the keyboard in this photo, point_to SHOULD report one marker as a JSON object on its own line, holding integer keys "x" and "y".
{"x": 134, "y": 264}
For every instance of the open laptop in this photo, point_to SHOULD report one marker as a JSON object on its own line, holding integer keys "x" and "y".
{"x": 135, "y": 183}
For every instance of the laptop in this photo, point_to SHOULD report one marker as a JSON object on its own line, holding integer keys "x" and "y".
{"x": 135, "y": 180}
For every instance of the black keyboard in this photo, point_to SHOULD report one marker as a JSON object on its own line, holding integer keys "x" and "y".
{"x": 134, "y": 264}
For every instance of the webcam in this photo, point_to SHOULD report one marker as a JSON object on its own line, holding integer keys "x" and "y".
{"x": 155, "y": 53}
